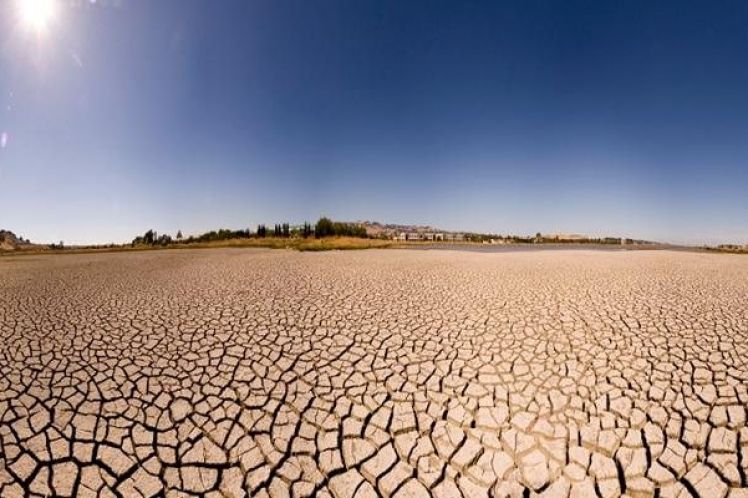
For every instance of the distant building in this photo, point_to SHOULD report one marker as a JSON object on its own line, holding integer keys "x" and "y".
{"x": 427, "y": 236}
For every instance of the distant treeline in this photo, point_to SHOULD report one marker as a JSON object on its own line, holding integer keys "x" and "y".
{"x": 735, "y": 248}
{"x": 589, "y": 240}
{"x": 324, "y": 227}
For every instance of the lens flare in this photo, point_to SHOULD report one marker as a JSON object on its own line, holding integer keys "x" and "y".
{"x": 37, "y": 14}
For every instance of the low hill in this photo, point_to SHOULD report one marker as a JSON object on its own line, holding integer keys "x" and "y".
{"x": 10, "y": 242}
{"x": 376, "y": 229}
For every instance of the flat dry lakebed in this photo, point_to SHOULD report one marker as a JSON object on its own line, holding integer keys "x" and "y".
{"x": 237, "y": 372}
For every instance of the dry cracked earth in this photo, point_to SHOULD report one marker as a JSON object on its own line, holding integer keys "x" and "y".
{"x": 232, "y": 373}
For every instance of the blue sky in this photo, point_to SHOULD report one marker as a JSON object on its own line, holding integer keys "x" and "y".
{"x": 622, "y": 118}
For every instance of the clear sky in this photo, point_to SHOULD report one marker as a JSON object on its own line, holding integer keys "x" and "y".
{"x": 622, "y": 117}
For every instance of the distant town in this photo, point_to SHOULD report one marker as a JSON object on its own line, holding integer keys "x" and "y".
{"x": 417, "y": 233}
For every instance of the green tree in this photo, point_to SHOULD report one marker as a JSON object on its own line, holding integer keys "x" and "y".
{"x": 324, "y": 228}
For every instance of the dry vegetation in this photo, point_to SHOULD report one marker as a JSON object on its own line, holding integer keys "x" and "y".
{"x": 299, "y": 244}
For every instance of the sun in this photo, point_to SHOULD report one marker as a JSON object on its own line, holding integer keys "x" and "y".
{"x": 36, "y": 14}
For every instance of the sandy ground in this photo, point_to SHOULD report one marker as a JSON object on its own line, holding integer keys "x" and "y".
{"x": 238, "y": 372}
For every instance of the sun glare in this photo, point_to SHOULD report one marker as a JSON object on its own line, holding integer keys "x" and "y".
{"x": 36, "y": 14}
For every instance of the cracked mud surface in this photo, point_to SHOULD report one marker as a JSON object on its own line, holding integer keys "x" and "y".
{"x": 375, "y": 373}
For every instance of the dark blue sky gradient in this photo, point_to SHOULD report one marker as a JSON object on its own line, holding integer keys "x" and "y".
{"x": 622, "y": 118}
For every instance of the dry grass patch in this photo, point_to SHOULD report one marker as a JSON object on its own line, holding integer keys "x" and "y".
{"x": 310, "y": 244}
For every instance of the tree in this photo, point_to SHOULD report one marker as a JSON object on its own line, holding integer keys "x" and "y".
{"x": 324, "y": 228}
{"x": 179, "y": 235}
{"x": 307, "y": 230}
{"x": 261, "y": 231}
